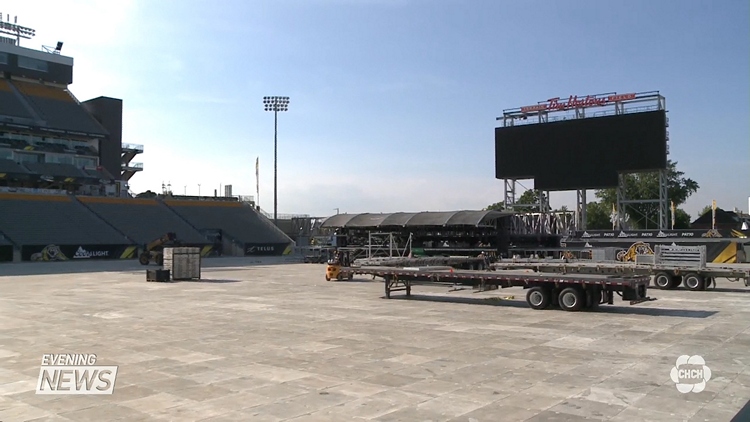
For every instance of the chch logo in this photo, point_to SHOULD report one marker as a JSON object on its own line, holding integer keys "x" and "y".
{"x": 690, "y": 373}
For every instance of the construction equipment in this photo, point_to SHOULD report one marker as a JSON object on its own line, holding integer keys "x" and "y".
{"x": 154, "y": 251}
{"x": 340, "y": 260}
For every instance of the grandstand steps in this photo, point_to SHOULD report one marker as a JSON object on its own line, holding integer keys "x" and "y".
{"x": 38, "y": 220}
{"x": 267, "y": 220}
{"x": 103, "y": 219}
{"x": 26, "y": 105}
{"x": 5, "y": 237}
{"x": 143, "y": 220}
{"x": 181, "y": 218}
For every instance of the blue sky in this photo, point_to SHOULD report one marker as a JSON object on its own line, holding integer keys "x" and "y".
{"x": 393, "y": 102}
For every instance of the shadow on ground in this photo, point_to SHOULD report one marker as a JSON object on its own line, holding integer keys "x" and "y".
{"x": 605, "y": 309}
{"x": 130, "y": 265}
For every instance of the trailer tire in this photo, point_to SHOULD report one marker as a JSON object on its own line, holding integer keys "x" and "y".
{"x": 694, "y": 282}
{"x": 663, "y": 280}
{"x": 538, "y": 297}
{"x": 709, "y": 281}
{"x": 593, "y": 297}
{"x": 572, "y": 299}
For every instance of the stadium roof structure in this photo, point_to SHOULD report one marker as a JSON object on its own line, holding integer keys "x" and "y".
{"x": 413, "y": 219}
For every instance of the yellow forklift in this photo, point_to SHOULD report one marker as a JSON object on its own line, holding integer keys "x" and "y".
{"x": 154, "y": 251}
{"x": 333, "y": 270}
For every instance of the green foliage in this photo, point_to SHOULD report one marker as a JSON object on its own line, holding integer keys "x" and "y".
{"x": 530, "y": 200}
{"x": 706, "y": 209}
{"x": 147, "y": 194}
{"x": 497, "y": 206}
{"x": 646, "y": 186}
{"x": 682, "y": 219}
{"x": 598, "y": 216}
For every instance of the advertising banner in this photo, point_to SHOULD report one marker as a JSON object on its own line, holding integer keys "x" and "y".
{"x": 265, "y": 249}
{"x": 53, "y": 252}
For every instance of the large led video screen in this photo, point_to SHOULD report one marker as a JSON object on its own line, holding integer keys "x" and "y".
{"x": 582, "y": 153}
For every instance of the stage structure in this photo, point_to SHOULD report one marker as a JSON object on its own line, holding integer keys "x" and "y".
{"x": 583, "y": 143}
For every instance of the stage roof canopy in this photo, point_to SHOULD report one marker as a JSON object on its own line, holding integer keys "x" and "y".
{"x": 413, "y": 219}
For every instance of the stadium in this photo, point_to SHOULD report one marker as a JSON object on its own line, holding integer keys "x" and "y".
{"x": 514, "y": 312}
{"x": 64, "y": 173}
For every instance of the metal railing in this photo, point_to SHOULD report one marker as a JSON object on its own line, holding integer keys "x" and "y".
{"x": 134, "y": 147}
{"x": 681, "y": 255}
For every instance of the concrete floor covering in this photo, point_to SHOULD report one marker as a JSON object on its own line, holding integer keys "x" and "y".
{"x": 277, "y": 342}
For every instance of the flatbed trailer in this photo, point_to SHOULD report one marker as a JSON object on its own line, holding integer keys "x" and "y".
{"x": 466, "y": 262}
{"x": 666, "y": 275}
{"x": 572, "y": 292}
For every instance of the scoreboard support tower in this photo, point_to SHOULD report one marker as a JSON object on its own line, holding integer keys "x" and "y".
{"x": 552, "y": 110}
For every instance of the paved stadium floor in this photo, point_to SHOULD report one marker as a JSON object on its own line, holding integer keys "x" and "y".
{"x": 278, "y": 342}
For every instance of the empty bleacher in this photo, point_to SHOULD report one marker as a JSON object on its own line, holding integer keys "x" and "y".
{"x": 54, "y": 169}
{"x": 11, "y": 167}
{"x": 142, "y": 220}
{"x": 48, "y": 219}
{"x": 10, "y": 105}
{"x": 239, "y": 221}
{"x": 58, "y": 108}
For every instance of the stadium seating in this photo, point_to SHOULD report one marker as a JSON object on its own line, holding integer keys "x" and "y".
{"x": 54, "y": 169}
{"x": 44, "y": 219}
{"x": 4, "y": 241}
{"x": 58, "y": 108}
{"x": 10, "y": 105}
{"x": 142, "y": 220}
{"x": 10, "y": 166}
{"x": 239, "y": 221}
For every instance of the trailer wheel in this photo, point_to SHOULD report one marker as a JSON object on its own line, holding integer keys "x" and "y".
{"x": 663, "y": 280}
{"x": 593, "y": 297}
{"x": 144, "y": 258}
{"x": 538, "y": 297}
{"x": 572, "y": 299}
{"x": 694, "y": 282}
{"x": 710, "y": 281}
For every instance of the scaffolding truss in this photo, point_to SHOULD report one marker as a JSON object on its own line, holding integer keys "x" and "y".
{"x": 607, "y": 104}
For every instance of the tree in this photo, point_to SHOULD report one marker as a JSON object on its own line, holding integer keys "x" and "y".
{"x": 529, "y": 201}
{"x": 598, "y": 216}
{"x": 497, "y": 206}
{"x": 147, "y": 194}
{"x": 706, "y": 209}
{"x": 682, "y": 219}
{"x": 646, "y": 186}
{"x": 529, "y": 198}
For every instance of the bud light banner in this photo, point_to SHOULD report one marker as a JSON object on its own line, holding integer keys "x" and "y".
{"x": 650, "y": 234}
{"x": 265, "y": 249}
{"x": 54, "y": 252}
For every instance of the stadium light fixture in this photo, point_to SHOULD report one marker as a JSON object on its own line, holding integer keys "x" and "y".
{"x": 15, "y": 29}
{"x": 275, "y": 104}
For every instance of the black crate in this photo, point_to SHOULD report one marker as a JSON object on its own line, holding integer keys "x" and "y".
{"x": 157, "y": 275}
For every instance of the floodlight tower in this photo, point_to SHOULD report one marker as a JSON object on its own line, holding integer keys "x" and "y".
{"x": 275, "y": 104}
{"x": 15, "y": 29}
